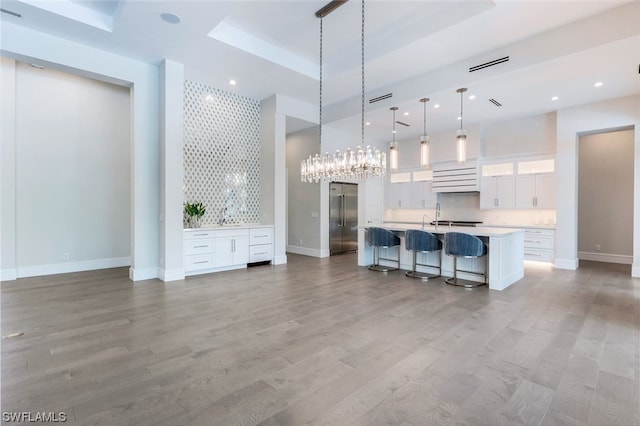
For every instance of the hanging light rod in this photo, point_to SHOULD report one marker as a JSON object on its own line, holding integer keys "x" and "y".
{"x": 330, "y": 7}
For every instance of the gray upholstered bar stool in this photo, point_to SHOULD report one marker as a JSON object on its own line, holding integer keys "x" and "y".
{"x": 425, "y": 242}
{"x": 380, "y": 237}
{"x": 459, "y": 244}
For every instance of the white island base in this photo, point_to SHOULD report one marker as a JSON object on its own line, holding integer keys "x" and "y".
{"x": 505, "y": 254}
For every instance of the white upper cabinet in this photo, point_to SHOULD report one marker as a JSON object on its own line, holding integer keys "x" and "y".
{"x": 422, "y": 195}
{"x": 536, "y": 184}
{"x": 399, "y": 191}
{"x": 498, "y": 186}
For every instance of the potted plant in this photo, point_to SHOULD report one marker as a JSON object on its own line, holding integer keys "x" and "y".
{"x": 193, "y": 213}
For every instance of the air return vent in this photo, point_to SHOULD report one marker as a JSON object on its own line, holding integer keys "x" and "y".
{"x": 9, "y": 12}
{"x": 496, "y": 103}
{"x": 380, "y": 98}
{"x": 403, "y": 124}
{"x": 489, "y": 64}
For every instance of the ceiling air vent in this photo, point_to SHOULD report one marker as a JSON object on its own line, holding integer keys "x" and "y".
{"x": 8, "y": 12}
{"x": 380, "y": 98}
{"x": 402, "y": 124}
{"x": 489, "y": 64}
{"x": 496, "y": 103}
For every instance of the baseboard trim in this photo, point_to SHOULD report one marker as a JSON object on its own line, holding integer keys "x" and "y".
{"x": 306, "y": 251}
{"x": 140, "y": 274}
{"x": 605, "y": 257}
{"x": 66, "y": 267}
{"x": 280, "y": 259}
{"x": 635, "y": 271}
{"x": 171, "y": 274}
{"x": 8, "y": 275}
{"x": 570, "y": 264}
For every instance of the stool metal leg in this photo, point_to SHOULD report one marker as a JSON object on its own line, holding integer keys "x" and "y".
{"x": 376, "y": 266}
{"x": 465, "y": 283}
{"x": 424, "y": 276}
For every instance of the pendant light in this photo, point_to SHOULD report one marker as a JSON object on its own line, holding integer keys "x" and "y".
{"x": 393, "y": 146}
{"x": 461, "y": 136}
{"x": 424, "y": 139}
{"x": 363, "y": 162}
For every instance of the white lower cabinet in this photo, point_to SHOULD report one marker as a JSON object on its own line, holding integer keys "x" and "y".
{"x": 539, "y": 244}
{"x": 260, "y": 245}
{"x": 220, "y": 249}
{"x": 232, "y": 248}
{"x": 199, "y": 249}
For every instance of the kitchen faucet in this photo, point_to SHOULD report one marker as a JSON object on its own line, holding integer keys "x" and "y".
{"x": 437, "y": 215}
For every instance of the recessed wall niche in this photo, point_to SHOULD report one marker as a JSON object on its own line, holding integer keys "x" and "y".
{"x": 222, "y": 154}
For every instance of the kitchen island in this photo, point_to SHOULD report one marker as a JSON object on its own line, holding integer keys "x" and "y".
{"x": 505, "y": 253}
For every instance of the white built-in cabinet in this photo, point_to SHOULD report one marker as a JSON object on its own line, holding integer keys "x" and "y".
{"x": 411, "y": 190}
{"x": 536, "y": 184}
{"x": 518, "y": 183}
{"x": 223, "y": 248}
{"x": 232, "y": 247}
{"x": 498, "y": 186}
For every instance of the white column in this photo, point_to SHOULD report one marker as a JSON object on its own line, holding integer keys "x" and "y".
{"x": 172, "y": 115}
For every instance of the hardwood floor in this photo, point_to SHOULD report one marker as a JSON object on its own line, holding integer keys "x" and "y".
{"x": 324, "y": 342}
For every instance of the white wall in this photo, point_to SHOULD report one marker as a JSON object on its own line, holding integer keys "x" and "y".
{"x": 605, "y": 197}
{"x": 303, "y": 200}
{"x": 608, "y": 115}
{"x": 143, "y": 79}
{"x": 7, "y": 170}
{"x": 72, "y": 172}
{"x": 528, "y": 135}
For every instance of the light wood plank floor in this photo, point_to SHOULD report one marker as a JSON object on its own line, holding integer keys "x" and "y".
{"x": 324, "y": 342}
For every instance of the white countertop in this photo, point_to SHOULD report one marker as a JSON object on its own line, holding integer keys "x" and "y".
{"x": 477, "y": 231}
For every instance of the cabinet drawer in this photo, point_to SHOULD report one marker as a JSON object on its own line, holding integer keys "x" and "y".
{"x": 537, "y": 242}
{"x": 197, "y": 234}
{"x": 260, "y": 253}
{"x": 232, "y": 233}
{"x": 538, "y": 232}
{"x": 199, "y": 246}
{"x": 197, "y": 262}
{"x": 539, "y": 255}
{"x": 260, "y": 236}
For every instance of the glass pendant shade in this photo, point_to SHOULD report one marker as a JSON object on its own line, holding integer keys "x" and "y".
{"x": 461, "y": 135}
{"x": 461, "y": 146}
{"x": 393, "y": 156}
{"x": 424, "y": 151}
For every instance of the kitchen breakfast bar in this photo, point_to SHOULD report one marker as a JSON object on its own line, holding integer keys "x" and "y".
{"x": 505, "y": 253}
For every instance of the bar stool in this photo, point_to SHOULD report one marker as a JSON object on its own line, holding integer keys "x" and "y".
{"x": 425, "y": 242}
{"x": 458, "y": 244}
{"x": 380, "y": 237}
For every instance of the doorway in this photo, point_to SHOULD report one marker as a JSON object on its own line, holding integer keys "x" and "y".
{"x": 606, "y": 196}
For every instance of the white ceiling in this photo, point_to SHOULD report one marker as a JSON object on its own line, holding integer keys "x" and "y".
{"x": 414, "y": 49}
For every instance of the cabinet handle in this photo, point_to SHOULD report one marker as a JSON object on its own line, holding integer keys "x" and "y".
{"x": 533, "y": 254}
{"x": 532, "y": 241}
{"x": 201, "y": 261}
{"x": 233, "y": 246}
{"x": 204, "y": 246}
{"x": 262, "y": 252}
{"x": 200, "y": 235}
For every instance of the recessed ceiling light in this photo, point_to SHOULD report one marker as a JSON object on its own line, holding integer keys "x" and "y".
{"x": 555, "y": 98}
{"x": 459, "y": 118}
{"x": 170, "y": 18}
{"x": 472, "y": 97}
{"x": 368, "y": 123}
{"x": 406, "y": 113}
{"x": 598, "y": 84}
{"x": 233, "y": 82}
{"x": 436, "y": 106}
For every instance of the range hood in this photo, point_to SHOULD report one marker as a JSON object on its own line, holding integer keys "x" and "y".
{"x": 454, "y": 177}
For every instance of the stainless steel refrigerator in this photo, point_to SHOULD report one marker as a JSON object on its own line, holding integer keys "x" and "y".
{"x": 343, "y": 217}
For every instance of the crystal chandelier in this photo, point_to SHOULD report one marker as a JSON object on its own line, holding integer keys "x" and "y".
{"x": 353, "y": 164}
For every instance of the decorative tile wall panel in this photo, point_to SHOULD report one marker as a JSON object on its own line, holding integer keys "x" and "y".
{"x": 222, "y": 154}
